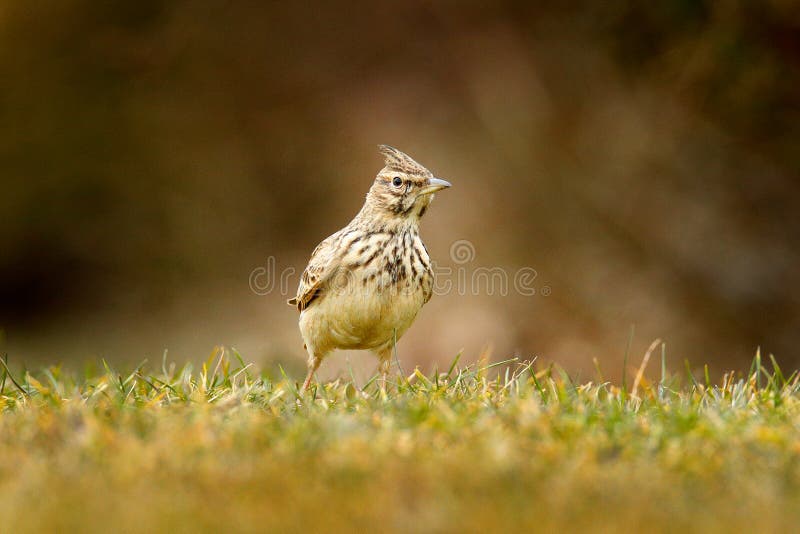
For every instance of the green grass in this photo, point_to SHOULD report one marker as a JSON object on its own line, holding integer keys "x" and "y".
{"x": 474, "y": 449}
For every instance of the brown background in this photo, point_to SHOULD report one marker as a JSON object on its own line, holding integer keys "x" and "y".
{"x": 643, "y": 160}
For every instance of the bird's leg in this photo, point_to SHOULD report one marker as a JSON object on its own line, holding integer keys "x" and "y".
{"x": 384, "y": 368}
{"x": 313, "y": 365}
{"x": 385, "y": 359}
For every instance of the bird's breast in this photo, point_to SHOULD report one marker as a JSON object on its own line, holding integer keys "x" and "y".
{"x": 383, "y": 282}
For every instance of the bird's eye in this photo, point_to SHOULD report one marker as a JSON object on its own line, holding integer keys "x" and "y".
{"x": 397, "y": 182}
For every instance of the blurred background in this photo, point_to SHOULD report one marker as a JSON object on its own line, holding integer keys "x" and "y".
{"x": 642, "y": 158}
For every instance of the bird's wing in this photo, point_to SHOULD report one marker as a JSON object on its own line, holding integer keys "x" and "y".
{"x": 321, "y": 268}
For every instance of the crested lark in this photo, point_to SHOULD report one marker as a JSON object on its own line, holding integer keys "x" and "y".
{"x": 365, "y": 284}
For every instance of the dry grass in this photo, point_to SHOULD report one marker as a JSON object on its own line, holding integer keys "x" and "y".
{"x": 472, "y": 449}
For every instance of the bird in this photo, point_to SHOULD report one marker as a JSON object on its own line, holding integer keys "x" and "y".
{"x": 365, "y": 284}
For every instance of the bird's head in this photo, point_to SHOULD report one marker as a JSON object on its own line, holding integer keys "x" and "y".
{"x": 403, "y": 188}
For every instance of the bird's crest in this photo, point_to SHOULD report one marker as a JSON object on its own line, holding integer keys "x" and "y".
{"x": 402, "y": 162}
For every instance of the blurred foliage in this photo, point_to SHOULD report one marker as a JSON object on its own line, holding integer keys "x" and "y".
{"x": 641, "y": 157}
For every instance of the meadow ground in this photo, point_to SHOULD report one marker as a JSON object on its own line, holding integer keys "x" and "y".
{"x": 481, "y": 448}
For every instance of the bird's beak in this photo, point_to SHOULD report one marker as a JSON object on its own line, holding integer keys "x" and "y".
{"x": 434, "y": 184}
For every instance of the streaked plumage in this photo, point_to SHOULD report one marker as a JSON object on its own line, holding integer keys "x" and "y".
{"x": 365, "y": 284}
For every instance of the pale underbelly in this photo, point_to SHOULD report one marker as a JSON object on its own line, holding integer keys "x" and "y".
{"x": 359, "y": 319}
